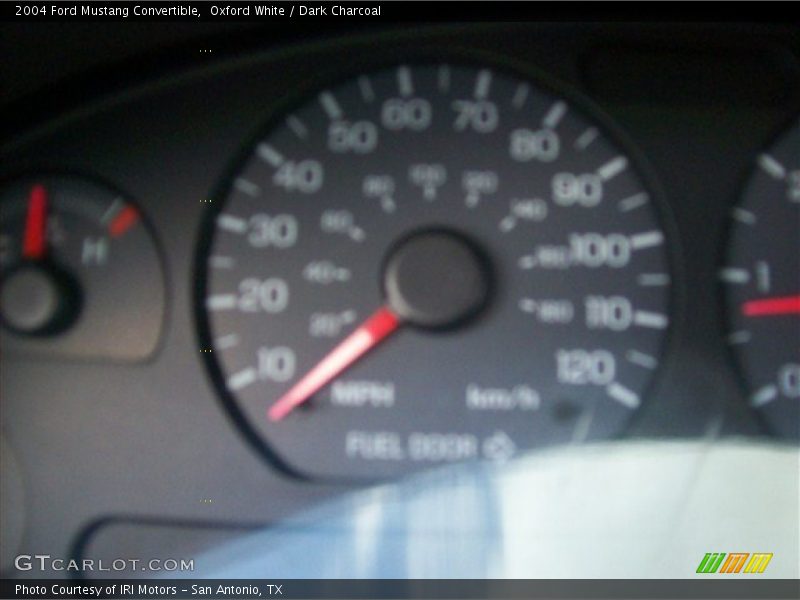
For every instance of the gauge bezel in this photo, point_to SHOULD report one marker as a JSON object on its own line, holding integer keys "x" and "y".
{"x": 429, "y": 56}
{"x": 31, "y": 171}
{"x": 725, "y": 323}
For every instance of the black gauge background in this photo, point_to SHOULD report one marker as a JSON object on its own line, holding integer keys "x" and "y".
{"x": 500, "y": 64}
{"x": 734, "y": 358}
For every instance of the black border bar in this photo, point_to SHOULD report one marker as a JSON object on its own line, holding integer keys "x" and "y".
{"x": 390, "y": 589}
{"x": 430, "y": 11}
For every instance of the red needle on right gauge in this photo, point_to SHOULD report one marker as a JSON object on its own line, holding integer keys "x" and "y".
{"x": 764, "y": 307}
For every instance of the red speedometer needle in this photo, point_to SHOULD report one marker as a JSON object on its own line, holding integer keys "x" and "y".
{"x": 786, "y": 305}
{"x": 33, "y": 242}
{"x": 369, "y": 334}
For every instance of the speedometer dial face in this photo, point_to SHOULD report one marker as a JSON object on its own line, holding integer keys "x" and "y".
{"x": 433, "y": 264}
{"x": 762, "y": 285}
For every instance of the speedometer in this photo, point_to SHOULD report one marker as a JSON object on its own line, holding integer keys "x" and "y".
{"x": 430, "y": 264}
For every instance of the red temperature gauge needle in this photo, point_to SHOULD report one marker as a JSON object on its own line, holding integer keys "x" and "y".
{"x": 786, "y": 305}
{"x": 125, "y": 219}
{"x": 33, "y": 242}
{"x": 369, "y": 334}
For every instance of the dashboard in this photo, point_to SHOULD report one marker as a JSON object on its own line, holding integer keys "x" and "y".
{"x": 247, "y": 273}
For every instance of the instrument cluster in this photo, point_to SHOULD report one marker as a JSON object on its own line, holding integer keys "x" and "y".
{"x": 369, "y": 255}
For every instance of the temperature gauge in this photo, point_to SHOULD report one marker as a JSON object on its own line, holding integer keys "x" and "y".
{"x": 80, "y": 275}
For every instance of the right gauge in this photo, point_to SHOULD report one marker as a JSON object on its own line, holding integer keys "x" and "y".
{"x": 761, "y": 278}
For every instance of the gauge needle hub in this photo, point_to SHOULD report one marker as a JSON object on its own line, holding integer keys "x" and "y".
{"x": 369, "y": 334}
{"x": 34, "y": 239}
{"x": 785, "y": 305}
